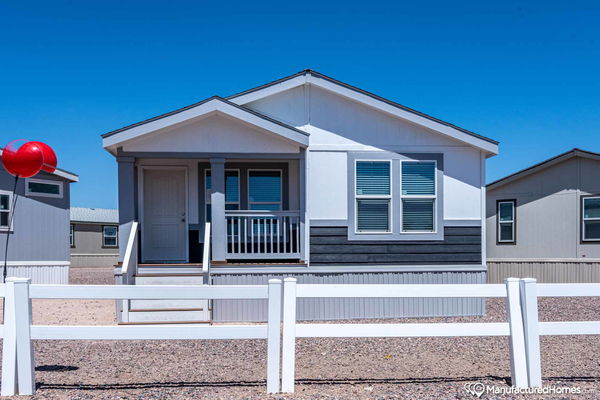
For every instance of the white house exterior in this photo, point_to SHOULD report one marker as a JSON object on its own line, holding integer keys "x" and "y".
{"x": 312, "y": 178}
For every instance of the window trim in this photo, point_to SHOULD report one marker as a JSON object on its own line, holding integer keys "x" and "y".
{"x": 10, "y": 205}
{"x": 433, "y": 197}
{"x": 389, "y": 197}
{"x": 104, "y": 237}
{"x": 29, "y": 193}
{"x": 250, "y": 203}
{"x": 72, "y": 235}
{"x": 208, "y": 192}
{"x": 513, "y": 222}
{"x": 582, "y": 220}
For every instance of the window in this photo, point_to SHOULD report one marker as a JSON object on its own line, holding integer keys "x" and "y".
{"x": 591, "y": 219}
{"x": 43, "y": 188}
{"x": 373, "y": 196}
{"x": 72, "y": 235}
{"x": 5, "y": 208}
{"x": 506, "y": 221}
{"x": 418, "y": 196}
{"x": 109, "y": 236}
{"x": 264, "y": 190}
{"x": 232, "y": 190}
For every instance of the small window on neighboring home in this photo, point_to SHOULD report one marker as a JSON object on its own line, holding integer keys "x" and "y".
{"x": 373, "y": 196}
{"x": 418, "y": 196}
{"x": 5, "y": 206}
{"x": 591, "y": 219}
{"x": 109, "y": 236}
{"x": 72, "y": 235}
{"x": 43, "y": 188}
{"x": 506, "y": 221}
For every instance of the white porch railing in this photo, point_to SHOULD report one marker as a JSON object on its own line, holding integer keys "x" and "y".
{"x": 130, "y": 260}
{"x": 263, "y": 234}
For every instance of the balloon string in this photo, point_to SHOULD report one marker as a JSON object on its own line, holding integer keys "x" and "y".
{"x": 10, "y": 222}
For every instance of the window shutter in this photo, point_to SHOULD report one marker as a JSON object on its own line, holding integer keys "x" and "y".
{"x": 417, "y": 215}
{"x": 418, "y": 178}
{"x": 373, "y": 215}
{"x": 372, "y": 178}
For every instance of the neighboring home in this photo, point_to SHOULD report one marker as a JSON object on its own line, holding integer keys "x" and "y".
{"x": 94, "y": 237}
{"x": 544, "y": 221}
{"x": 305, "y": 177}
{"x": 38, "y": 246}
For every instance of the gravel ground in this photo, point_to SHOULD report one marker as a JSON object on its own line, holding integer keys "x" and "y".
{"x": 410, "y": 368}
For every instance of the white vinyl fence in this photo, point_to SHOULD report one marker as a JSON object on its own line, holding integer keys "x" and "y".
{"x": 522, "y": 328}
{"x": 17, "y": 331}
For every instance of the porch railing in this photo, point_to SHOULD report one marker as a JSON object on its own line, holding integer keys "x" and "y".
{"x": 253, "y": 234}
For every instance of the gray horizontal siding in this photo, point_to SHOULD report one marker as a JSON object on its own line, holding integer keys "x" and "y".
{"x": 358, "y": 308}
{"x": 545, "y": 271}
{"x": 330, "y": 245}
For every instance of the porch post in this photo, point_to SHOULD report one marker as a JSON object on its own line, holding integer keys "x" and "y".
{"x": 127, "y": 200}
{"x": 217, "y": 201}
{"x": 302, "y": 178}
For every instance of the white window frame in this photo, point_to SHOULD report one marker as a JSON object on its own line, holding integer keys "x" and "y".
{"x": 104, "y": 236}
{"x": 499, "y": 223}
{"x": 72, "y": 235}
{"x": 250, "y": 203}
{"x": 584, "y": 219}
{"x": 208, "y": 192}
{"x": 10, "y": 205}
{"x": 374, "y": 197}
{"x": 46, "y": 182}
{"x": 433, "y": 197}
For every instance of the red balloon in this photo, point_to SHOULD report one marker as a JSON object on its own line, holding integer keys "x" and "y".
{"x": 22, "y": 158}
{"x": 49, "y": 157}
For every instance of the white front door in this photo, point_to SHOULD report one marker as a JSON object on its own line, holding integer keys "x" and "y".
{"x": 164, "y": 226}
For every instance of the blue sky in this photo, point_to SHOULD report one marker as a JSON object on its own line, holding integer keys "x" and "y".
{"x": 523, "y": 73}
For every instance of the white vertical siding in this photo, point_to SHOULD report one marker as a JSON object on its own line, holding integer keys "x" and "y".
{"x": 41, "y": 274}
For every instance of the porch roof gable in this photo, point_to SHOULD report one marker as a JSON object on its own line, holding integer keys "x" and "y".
{"x": 113, "y": 139}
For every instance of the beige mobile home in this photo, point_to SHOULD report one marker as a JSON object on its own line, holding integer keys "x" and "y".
{"x": 544, "y": 221}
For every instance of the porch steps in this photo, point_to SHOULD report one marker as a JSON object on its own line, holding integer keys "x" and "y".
{"x": 175, "y": 311}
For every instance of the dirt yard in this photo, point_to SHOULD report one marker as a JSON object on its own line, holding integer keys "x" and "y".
{"x": 412, "y": 368}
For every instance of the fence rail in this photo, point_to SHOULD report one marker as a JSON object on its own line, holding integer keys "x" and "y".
{"x": 17, "y": 332}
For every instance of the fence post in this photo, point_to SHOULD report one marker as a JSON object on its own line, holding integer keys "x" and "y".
{"x": 529, "y": 305}
{"x": 17, "y": 364}
{"x": 274, "y": 336}
{"x": 518, "y": 360}
{"x": 289, "y": 336}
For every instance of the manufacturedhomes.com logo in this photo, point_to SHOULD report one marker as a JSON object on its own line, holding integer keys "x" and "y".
{"x": 478, "y": 389}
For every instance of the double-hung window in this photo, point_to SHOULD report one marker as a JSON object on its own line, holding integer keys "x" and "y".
{"x": 418, "y": 196}
{"x": 506, "y": 221}
{"x": 109, "y": 236}
{"x": 264, "y": 190}
{"x": 373, "y": 196}
{"x": 591, "y": 219}
{"x": 5, "y": 208}
{"x": 232, "y": 191}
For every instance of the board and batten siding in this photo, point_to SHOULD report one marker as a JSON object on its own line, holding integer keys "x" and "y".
{"x": 330, "y": 246}
{"x": 357, "y": 308}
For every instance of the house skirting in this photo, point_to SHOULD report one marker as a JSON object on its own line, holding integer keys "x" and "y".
{"x": 358, "y": 308}
{"x": 545, "y": 270}
{"x": 41, "y": 272}
{"x": 94, "y": 260}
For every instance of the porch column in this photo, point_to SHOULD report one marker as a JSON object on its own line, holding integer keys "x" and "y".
{"x": 127, "y": 200}
{"x": 217, "y": 201}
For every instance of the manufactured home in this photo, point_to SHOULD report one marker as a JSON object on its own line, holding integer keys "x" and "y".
{"x": 304, "y": 177}
{"x": 38, "y": 246}
{"x": 93, "y": 236}
{"x": 544, "y": 221}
